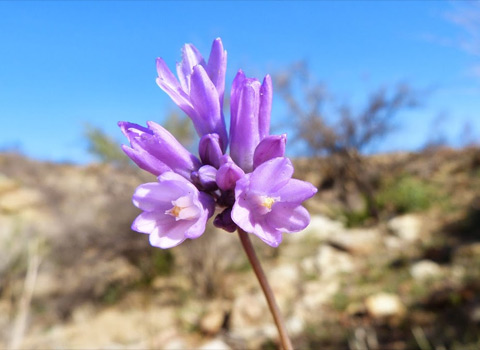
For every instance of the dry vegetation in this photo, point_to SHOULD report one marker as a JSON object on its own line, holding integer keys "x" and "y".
{"x": 70, "y": 265}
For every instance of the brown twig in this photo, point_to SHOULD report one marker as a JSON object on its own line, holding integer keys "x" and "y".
{"x": 272, "y": 304}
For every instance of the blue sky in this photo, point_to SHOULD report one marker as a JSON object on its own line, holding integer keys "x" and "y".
{"x": 64, "y": 63}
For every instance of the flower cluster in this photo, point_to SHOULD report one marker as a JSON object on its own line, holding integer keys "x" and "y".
{"x": 250, "y": 187}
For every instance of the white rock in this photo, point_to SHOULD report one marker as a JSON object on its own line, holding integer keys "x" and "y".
{"x": 249, "y": 311}
{"x": 309, "y": 265}
{"x": 425, "y": 270}
{"x": 394, "y": 242}
{"x": 384, "y": 305}
{"x": 321, "y": 228}
{"x": 215, "y": 344}
{"x": 359, "y": 240}
{"x": 284, "y": 280}
{"x": 212, "y": 321}
{"x": 175, "y": 344}
{"x": 14, "y": 201}
{"x": 408, "y": 227}
{"x": 7, "y": 184}
{"x": 331, "y": 262}
{"x": 317, "y": 293}
{"x": 295, "y": 326}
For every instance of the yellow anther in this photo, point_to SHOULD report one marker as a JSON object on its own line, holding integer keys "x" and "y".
{"x": 268, "y": 202}
{"x": 175, "y": 211}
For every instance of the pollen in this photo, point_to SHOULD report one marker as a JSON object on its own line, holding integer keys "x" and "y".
{"x": 267, "y": 202}
{"x": 175, "y": 211}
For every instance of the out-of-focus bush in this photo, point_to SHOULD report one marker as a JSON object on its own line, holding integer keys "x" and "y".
{"x": 103, "y": 147}
{"x": 405, "y": 194}
{"x": 339, "y": 134}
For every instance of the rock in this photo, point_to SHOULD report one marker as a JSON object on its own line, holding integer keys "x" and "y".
{"x": 212, "y": 322}
{"x": 331, "y": 262}
{"x": 425, "y": 270}
{"x": 407, "y": 227}
{"x": 394, "y": 243}
{"x": 249, "y": 313}
{"x": 47, "y": 285}
{"x": 15, "y": 201}
{"x": 309, "y": 266}
{"x": 320, "y": 228}
{"x": 384, "y": 305}
{"x": 295, "y": 326}
{"x": 7, "y": 184}
{"x": 474, "y": 314}
{"x": 175, "y": 344}
{"x": 215, "y": 344}
{"x": 317, "y": 293}
{"x": 284, "y": 280}
{"x": 355, "y": 308}
{"x": 358, "y": 240}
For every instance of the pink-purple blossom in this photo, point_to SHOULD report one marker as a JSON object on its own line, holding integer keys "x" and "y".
{"x": 251, "y": 187}
{"x": 173, "y": 210}
{"x": 268, "y": 201}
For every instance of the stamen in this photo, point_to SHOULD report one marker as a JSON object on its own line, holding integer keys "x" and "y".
{"x": 175, "y": 211}
{"x": 267, "y": 202}
{"x": 183, "y": 209}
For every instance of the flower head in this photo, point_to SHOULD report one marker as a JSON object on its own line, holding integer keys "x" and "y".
{"x": 268, "y": 201}
{"x": 199, "y": 89}
{"x": 173, "y": 210}
{"x": 252, "y": 186}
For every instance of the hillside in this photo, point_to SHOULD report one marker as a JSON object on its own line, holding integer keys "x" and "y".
{"x": 73, "y": 274}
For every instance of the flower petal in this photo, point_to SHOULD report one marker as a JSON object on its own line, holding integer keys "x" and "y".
{"x": 296, "y": 191}
{"x": 190, "y": 58}
{"x": 228, "y": 174}
{"x": 155, "y": 196}
{"x": 288, "y": 218}
{"x": 169, "y": 236}
{"x": 168, "y": 83}
{"x": 210, "y": 150}
{"x": 204, "y": 98}
{"x": 244, "y": 136}
{"x": 205, "y": 178}
{"x": 198, "y": 226}
{"x": 145, "y": 161}
{"x": 146, "y": 222}
{"x": 266, "y": 94}
{"x": 216, "y": 68}
{"x": 224, "y": 221}
{"x": 271, "y": 175}
{"x": 157, "y": 151}
{"x": 270, "y": 147}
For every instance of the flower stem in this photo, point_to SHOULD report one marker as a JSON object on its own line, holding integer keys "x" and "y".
{"x": 272, "y": 304}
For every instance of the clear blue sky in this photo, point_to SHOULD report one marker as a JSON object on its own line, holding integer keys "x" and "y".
{"x": 64, "y": 63}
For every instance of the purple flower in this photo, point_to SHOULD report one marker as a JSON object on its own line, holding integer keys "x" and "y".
{"x": 268, "y": 201}
{"x": 157, "y": 151}
{"x": 199, "y": 89}
{"x": 252, "y": 187}
{"x": 173, "y": 210}
{"x": 250, "y": 105}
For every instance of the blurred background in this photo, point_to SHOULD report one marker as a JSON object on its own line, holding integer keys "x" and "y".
{"x": 380, "y": 101}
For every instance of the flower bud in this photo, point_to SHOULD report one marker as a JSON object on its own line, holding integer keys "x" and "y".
{"x": 250, "y": 117}
{"x": 155, "y": 150}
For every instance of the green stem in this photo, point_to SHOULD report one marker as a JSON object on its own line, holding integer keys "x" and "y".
{"x": 272, "y": 304}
